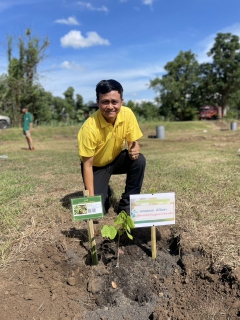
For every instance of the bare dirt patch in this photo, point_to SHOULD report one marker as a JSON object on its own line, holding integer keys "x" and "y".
{"x": 54, "y": 279}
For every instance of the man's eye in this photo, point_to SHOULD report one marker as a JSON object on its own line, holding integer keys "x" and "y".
{"x": 113, "y": 102}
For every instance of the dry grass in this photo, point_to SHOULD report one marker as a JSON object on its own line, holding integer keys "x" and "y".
{"x": 201, "y": 167}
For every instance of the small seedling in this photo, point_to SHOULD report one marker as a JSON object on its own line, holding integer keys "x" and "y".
{"x": 123, "y": 223}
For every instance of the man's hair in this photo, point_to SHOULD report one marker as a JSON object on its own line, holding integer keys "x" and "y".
{"x": 106, "y": 86}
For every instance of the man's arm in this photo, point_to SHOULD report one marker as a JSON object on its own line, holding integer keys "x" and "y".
{"x": 133, "y": 150}
{"x": 88, "y": 174}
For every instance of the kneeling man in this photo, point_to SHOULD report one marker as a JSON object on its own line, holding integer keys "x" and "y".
{"x": 102, "y": 143}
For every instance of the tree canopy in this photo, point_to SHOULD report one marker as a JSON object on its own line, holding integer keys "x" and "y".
{"x": 188, "y": 85}
{"x": 177, "y": 88}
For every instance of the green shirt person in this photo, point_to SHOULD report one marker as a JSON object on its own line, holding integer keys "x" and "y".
{"x": 27, "y": 127}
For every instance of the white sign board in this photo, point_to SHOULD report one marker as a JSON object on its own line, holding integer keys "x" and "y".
{"x": 149, "y": 210}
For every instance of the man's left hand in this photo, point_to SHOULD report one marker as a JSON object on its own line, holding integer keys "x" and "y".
{"x": 133, "y": 150}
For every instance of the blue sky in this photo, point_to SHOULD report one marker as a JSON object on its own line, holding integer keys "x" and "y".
{"x": 127, "y": 40}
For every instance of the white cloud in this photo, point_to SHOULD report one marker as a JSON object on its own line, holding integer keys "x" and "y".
{"x": 75, "y": 39}
{"x": 69, "y": 21}
{"x": 148, "y": 2}
{"x": 70, "y": 65}
{"x": 89, "y": 6}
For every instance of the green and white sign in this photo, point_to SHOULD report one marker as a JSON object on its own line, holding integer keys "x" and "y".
{"x": 85, "y": 208}
{"x": 148, "y": 210}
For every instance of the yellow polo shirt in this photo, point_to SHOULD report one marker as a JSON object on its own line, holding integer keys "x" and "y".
{"x": 99, "y": 139}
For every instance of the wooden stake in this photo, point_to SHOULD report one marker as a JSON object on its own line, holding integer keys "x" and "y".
{"x": 92, "y": 242}
{"x": 153, "y": 241}
{"x": 91, "y": 236}
{"x": 86, "y": 193}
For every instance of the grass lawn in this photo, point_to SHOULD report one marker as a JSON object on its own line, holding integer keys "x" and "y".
{"x": 196, "y": 160}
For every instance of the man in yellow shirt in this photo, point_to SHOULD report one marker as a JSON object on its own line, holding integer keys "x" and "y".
{"x": 102, "y": 140}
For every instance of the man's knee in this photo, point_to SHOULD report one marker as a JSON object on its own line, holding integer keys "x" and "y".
{"x": 141, "y": 161}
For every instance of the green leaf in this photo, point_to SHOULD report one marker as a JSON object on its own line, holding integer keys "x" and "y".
{"x": 130, "y": 222}
{"x": 118, "y": 220}
{"x": 123, "y": 215}
{"x": 108, "y": 232}
{"x": 129, "y": 236}
{"x": 124, "y": 225}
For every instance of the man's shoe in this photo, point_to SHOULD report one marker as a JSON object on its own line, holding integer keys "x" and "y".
{"x": 126, "y": 209}
{"x": 123, "y": 205}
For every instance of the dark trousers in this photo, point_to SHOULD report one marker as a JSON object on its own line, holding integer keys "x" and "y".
{"x": 134, "y": 169}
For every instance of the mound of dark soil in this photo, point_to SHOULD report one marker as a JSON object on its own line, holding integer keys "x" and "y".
{"x": 57, "y": 281}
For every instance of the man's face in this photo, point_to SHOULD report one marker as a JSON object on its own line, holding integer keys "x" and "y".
{"x": 110, "y": 104}
{"x": 24, "y": 110}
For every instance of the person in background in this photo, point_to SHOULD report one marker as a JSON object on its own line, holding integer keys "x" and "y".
{"x": 27, "y": 127}
{"x": 102, "y": 142}
{"x": 86, "y": 116}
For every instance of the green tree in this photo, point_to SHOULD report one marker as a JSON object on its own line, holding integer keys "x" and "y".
{"x": 13, "y": 92}
{"x": 177, "y": 89}
{"x": 70, "y": 107}
{"x": 5, "y": 104}
{"x": 69, "y": 96}
{"x": 79, "y": 102}
{"x": 22, "y": 72}
{"x": 134, "y": 106}
{"x": 234, "y": 105}
{"x": 43, "y": 106}
{"x": 226, "y": 66}
{"x": 206, "y": 89}
{"x": 146, "y": 110}
{"x": 60, "y": 107}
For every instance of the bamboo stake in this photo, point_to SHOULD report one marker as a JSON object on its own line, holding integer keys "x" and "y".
{"x": 91, "y": 236}
{"x": 153, "y": 242}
